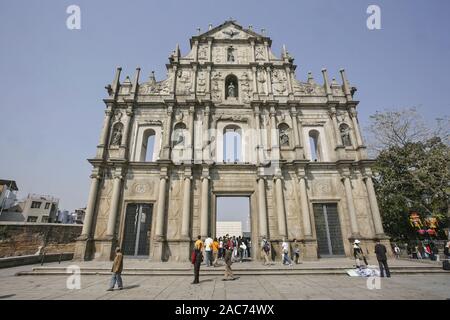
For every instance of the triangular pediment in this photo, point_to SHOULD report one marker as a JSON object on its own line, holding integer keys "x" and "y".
{"x": 231, "y": 30}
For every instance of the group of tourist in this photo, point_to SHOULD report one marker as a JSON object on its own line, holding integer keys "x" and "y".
{"x": 425, "y": 251}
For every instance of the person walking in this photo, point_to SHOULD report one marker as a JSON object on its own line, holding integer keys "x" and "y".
{"x": 116, "y": 269}
{"x": 215, "y": 252}
{"x": 197, "y": 258}
{"x": 220, "y": 248}
{"x": 296, "y": 252}
{"x": 447, "y": 250}
{"x": 285, "y": 253}
{"x": 208, "y": 250}
{"x": 358, "y": 253}
{"x": 396, "y": 251}
{"x": 380, "y": 251}
{"x": 228, "y": 263}
{"x": 265, "y": 248}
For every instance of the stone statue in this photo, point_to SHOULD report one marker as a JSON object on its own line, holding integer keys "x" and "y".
{"x": 117, "y": 136}
{"x": 230, "y": 56}
{"x": 232, "y": 90}
{"x": 345, "y": 135}
{"x": 284, "y": 137}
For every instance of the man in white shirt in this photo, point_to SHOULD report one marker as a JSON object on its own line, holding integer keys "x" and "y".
{"x": 208, "y": 250}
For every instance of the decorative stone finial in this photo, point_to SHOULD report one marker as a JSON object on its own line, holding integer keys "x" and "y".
{"x": 210, "y": 26}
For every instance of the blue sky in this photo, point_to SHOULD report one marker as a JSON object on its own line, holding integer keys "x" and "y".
{"x": 52, "y": 79}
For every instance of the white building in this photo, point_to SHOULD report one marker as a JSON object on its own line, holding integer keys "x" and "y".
{"x": 232, "y": 228}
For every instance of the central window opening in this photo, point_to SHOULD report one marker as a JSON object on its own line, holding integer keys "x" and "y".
{"x": 233, "y": 218}
{"x": 232, "y": 146}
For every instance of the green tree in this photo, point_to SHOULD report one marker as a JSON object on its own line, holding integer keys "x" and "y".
{"x": 412, "y": 170}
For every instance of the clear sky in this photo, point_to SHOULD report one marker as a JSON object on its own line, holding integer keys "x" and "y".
{"x": 52, "y": 79}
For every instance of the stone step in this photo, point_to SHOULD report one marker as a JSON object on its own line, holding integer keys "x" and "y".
{"x": 238, "y": 271}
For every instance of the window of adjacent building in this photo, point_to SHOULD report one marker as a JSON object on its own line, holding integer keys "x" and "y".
{"x": 47, "y": 205}
{"x": 36, "y": 204}
{"x": 31, "y": 219}
{"x": 44, "y": 219}
{"x": 148, "y": 145}
{"x": 314, "y": 144}
{"x": 283, "y": 130}
{"x": 345, "y": 135}
{"x": 231, "y": 86}
{"x": 232, "y": 144}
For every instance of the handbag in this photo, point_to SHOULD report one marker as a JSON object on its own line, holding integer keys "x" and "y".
{"x": 193, "y": 256}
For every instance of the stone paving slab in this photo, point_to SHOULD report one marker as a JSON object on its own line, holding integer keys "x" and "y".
{"x": 269, "y": 287}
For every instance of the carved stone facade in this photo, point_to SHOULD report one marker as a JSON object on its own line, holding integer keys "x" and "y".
{"x": 162, "y": 159}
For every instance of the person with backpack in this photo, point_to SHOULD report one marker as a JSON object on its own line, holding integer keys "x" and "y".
{"x": 265, "y": 248}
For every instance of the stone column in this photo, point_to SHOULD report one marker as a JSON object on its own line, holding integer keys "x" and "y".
{"x": 350, "y": 205}
{"x": 204, "y": 213}
{"x": 194, "y": 80}
{"x": 281, "y": 214}
{"x": 115, "y": 200}
{"x": 269, "y": 81}
{"x": 304, "y": 204}
{"x": 266, "y": 46}
{"x": 252, "y": 58}
{"x": 195, "y": 50}
{"x": 191, "y": 132}
{"x": 289, "y": 81}
{"x": 161, "y": 208}
{"x": 209, "y": 50}
{"x": 126, "y": 133}
{"x": 104, "y": 135}
{"x": 259, "y": 150}
{"x": 167, "y": 134}
{"x": 262, "y": 209}
{"x": 353, "y": 115}
{"x": 297, "y": 142}
{"x": 374, "y": 205}
{"x": 206, "y": 143}
{"x": 275, "y": 154}
{"x": 337, "y": 134}
{"x": 186, "y": 217}
{"x": 255, "y": 83}
{"x": 92, "y": 199}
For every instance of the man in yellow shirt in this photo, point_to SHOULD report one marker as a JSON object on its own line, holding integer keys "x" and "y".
{"x": 197, "y": 257}
{"x": 215, "y": 248}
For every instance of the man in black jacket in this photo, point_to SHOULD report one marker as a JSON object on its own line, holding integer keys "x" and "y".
{"x": 380, "y": 251}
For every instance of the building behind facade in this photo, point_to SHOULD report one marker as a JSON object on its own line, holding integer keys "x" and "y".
{"x": 232, "y": 228}
{"x": 231, "y": 118}
{"x": 8, "y": 194}
{"x": 39, "y": 208}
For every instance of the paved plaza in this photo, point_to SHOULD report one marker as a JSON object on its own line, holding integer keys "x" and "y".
{"x": 269, "y": 287}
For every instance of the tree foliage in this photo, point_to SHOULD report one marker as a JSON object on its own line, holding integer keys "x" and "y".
{"x": 412, "y": 171}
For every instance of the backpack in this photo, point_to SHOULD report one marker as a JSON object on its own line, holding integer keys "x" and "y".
{"x": 266, "y": 247}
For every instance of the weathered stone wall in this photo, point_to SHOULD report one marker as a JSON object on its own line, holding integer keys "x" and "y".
{"x": 21, "y": 238}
